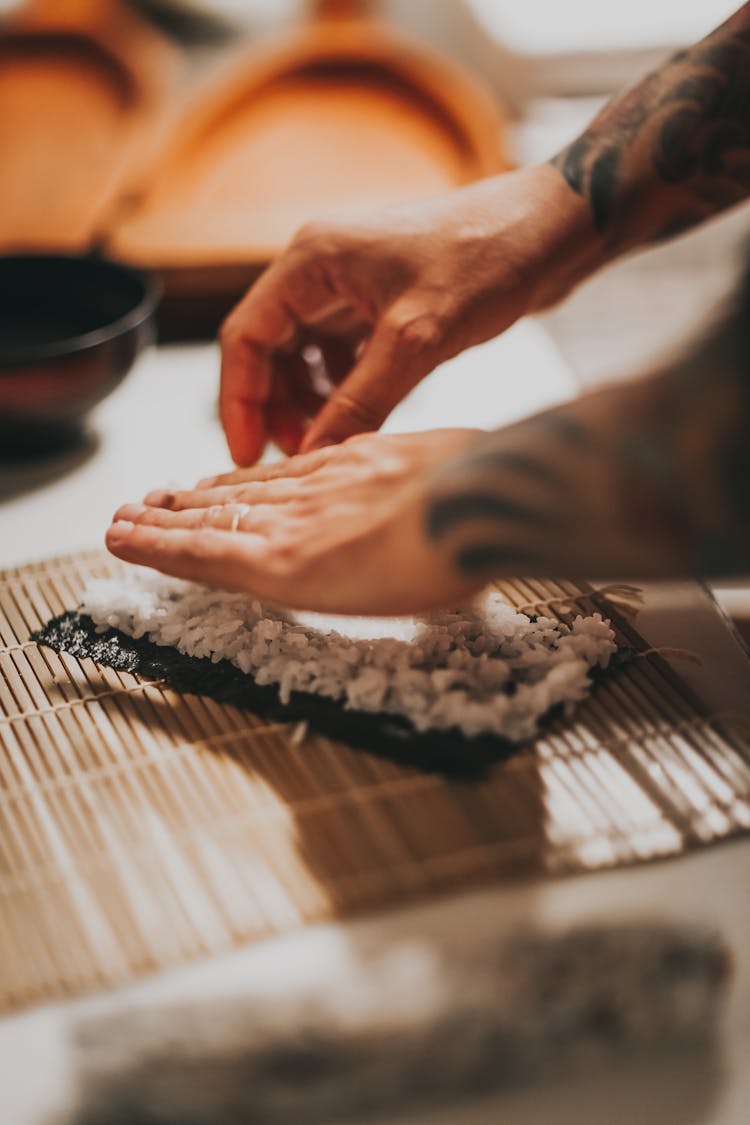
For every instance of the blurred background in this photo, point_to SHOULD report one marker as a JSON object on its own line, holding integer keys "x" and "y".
{"x": 209, "y": 171}
{"x": 548, "y": 66}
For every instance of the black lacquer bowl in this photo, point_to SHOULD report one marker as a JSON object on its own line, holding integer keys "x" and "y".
{"x": 71, "y": 328}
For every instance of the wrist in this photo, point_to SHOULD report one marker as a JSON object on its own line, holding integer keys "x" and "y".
{"x": 564, "y": 245}
{"x": 516, "y": 243}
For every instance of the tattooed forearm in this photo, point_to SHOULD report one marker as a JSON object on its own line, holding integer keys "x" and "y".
{"x": 673, "y": 150}
{"x": 644, "y": 479}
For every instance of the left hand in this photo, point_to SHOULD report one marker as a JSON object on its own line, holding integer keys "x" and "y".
{"x": 354, "y": 313}
{"x": 339, "y": 530}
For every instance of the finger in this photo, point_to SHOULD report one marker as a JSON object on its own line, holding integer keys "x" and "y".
{"x": 292, "y": 292}
{"x": 393, "y": 362}
{"x": 217, "y": 558}
{"x": 302, "y": 385}
{"x": 277, "y": 491}
{"x": 246, "y": 380}
{"x": 286, "y": 421}
{"x": 260, "y": 324}
{"x": 256, "y": 518}
{"x": 288, "y": 467}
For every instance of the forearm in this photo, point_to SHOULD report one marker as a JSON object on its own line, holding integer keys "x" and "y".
{"x": 645, "y": 479}
{"x": 665, "y": 155}
{"x": 671, "y": 151}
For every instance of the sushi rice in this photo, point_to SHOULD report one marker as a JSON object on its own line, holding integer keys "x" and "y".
{"x": 486, "y": 669}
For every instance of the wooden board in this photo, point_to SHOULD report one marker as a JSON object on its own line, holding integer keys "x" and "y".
{"x": 341, "y": 115}
{"x": 140, "y": 829}
{"x": 82, "y": 86}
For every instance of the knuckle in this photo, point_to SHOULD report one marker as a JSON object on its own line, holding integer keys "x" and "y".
{"x": 314, "y": 235}
{"x": 250, "y": 494}
{"x": 415, "y": 332}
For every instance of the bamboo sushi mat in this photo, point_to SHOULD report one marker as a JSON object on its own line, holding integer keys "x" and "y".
{"x": 141, "y": 829}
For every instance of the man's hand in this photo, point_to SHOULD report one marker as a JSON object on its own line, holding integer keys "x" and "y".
{"x": 341, "y": 529}
{"x": 644, "y": 479}
{"x": 350, "y": 317}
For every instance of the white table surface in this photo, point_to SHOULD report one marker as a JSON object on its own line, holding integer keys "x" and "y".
{"x": 160, "y": 428}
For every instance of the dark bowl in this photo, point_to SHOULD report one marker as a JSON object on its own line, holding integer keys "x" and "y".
{"x": 70, "y": 329}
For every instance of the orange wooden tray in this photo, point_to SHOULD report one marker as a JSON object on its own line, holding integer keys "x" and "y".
{"x": 81, "y": 84}
{"x": 340, "y": 115}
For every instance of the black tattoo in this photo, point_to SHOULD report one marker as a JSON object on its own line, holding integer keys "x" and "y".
{"x": 676, "y": 144}
{"x": 642, "y": 479}
{"x": 677, "y": 224}
{"x": 564, "y": 424}
{"x": 486, "y": 559}
{"x": 451, "y": 511}
{"x": 519, "y": 463}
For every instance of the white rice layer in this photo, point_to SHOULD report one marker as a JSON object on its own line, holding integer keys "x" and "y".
{"x": 483, "y": 670}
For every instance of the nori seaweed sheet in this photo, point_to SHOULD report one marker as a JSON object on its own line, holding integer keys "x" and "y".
{"x": 448, "y": 752}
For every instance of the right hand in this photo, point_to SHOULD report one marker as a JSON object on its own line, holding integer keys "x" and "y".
{"x": 381, "y": 303}
{"x": 339, "y": 530}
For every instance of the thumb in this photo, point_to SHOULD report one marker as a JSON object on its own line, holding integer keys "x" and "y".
{"x": 397, "y": 356}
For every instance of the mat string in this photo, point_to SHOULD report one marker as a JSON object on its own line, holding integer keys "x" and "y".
{"x": 672, "y": 653}
{"x": 628, "y": 600}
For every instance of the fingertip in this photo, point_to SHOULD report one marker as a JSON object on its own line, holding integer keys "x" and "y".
{"x": 311, "y": 442}
{"x": 287, "y": 432}
{"x": 118, "y": 534}
{"x": 245, "y": 433}
{"x": 128, "y": 514}
{"x": 331, "y": 427}
{"x": 244, "y": 453}
{"x": 287, "y": 443}
{"x": 320, "y": 437}
{"x": 316, "y": 436}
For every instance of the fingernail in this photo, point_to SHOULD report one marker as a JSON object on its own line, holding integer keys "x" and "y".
{"x": 159, "y": 499}
{"x": 121, "y": 527}
{"x": 207, "y": 482}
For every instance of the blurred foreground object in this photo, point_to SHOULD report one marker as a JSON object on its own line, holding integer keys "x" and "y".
{"x": 416, "y": 1025}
